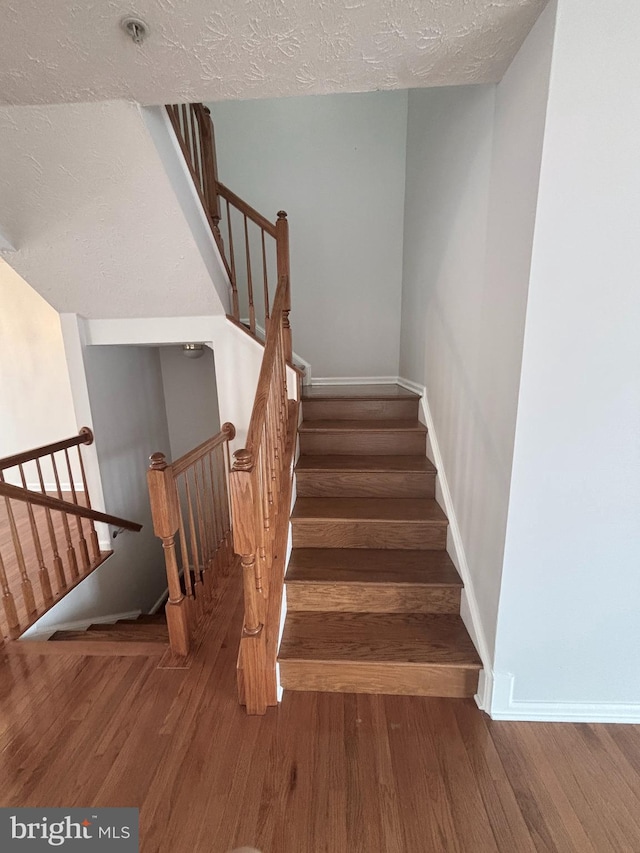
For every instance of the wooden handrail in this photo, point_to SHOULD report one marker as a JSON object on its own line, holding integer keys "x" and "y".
{"x": 191, "y": 515}
{"x": 85, "y": 436}
{"x": 227, "y": 433}
{"x": 39, "y": 499}
{"x": 246, "y": 209}
{"x": 258, "y": 412}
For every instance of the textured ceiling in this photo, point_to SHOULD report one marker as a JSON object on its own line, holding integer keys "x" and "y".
{"x": 208, "y": 50}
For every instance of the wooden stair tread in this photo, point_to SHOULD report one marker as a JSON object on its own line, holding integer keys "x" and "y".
{"x": 357, "y": 392}
{"x": 367, "y": 426}
{"x": 145, "y": 619}
{"x": 365, "y": 638}
{"x": 369, "y": 509}
{"x": 369, "y": 566}
{"x": 116, "y": 633}
{"x": 365, "y": 464}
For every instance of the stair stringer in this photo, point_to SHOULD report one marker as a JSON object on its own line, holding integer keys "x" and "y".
{"x": 469, "y": 608}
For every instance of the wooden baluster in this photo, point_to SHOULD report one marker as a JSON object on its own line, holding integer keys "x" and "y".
{"x": 206, "y": 503}
{"x": 265, "y": 284}
{"x": 266, "y": 493}
{"x": 58, "y": 568}
{"x": 164, "y": 510}
{"x": 43, "y": 572}
{"x": 186, "y": 568}
{"x": 192, "y": 531}
{"x": 209, "y": 500}
{"x": 202, "y": 529}
{"x": 215, "y": 495}
{"x": 234, "y": 284}
{"x": 27, "y": 588}
{"x": 72, "y": 560}
{"x": 252, "y": 310}
{"x": 82, "y": 542}
{"x": 185, "y": 130}
{"x": 226, "y": 504}
{"x": 8, "y": 603}
{"x": 93, "y": 535}
{"x": 196, "y": 151}
{"x": 282, "y": 256}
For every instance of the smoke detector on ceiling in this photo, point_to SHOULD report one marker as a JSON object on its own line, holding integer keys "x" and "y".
{"x": 135, "y": 28}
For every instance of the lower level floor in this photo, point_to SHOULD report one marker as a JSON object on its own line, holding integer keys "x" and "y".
{"x": 323, "y": 772}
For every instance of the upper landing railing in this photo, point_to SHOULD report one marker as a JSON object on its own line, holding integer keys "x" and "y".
{"x": 255, "y": 250}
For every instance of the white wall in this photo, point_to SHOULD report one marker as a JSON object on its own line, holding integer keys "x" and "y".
{"x": 569, "y": 630}
{"x": 473, "y": 159}
{"x": 95, "y": 219}
{"x": 191, "y": 398}
{"x": 35, "y": 396}
{"x": 336, "y": 164}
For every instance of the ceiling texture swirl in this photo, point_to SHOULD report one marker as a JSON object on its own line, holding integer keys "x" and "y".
{"x": 199, "y": 50}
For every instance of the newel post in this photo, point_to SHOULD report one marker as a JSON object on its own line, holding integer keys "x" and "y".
{"x": 163, "y": 496}
{"x": 244, "y": 495}
{"x": 210, "y": 166}
{"x": 282, "y": 259}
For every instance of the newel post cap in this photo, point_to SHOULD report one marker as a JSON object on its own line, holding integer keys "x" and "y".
{"x": 243, "y": 460}
{"x": 282, "y": 214}
{"x": 158, "y": 462}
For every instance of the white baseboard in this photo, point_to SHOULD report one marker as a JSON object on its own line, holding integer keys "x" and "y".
{"x": 159, "y": 602}
{"x": 469, "y": 609}
{"x": 49, "y": 487}
{"x": 354, "y": 380}
{"x": 505, "y": 707}
{"x": 80, "y": 625}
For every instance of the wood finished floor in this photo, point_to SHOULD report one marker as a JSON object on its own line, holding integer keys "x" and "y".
{"x": 324, "y": 772}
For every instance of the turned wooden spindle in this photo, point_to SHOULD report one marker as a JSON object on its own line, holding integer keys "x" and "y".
{"x": 58, "y": 568}
{"x": 43, "y": 572}
{"x": 265, "y": 282}
{"x": 8, "y": 603}
{"x": 232, "y": 258}
{"x": 252, "y": 310}
{"x": 93, "y": 534}
{"x": 25, "y": 583}
{"x": 164, "y": 512}
{"x": 72, "y": 560}
{"x": 82, "y": 542}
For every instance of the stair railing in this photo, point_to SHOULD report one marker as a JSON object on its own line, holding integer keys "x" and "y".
{"x": 41, "y": 527}
{"x": 191, "y": 515}
{"x": 261, "y": 481}
{"x": 263, "y": 256}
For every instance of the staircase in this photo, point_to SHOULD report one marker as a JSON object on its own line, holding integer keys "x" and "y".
{"x": 373, "y": 597}
{"x": 146, "y": 635}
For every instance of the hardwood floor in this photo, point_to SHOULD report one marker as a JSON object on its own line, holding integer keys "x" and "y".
{"x": 323, "y": 772}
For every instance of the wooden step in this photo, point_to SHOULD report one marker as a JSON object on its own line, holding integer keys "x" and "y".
{"x": 412, "y": 654}
{"x": 403, "y": 523}
{"x": 373, "y": 407}
{"x": 379, "y": 438}
{"x": 365, "y": 476}
{"x": 375, "y": 581}
{"x": 391, "y": 391}
{"x": 145, "y": 619}
{"x": 127, "y": 630}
